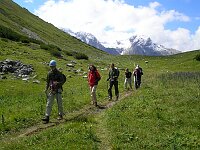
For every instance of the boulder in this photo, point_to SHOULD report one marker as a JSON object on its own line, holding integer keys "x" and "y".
{"x": 16, "y": 67}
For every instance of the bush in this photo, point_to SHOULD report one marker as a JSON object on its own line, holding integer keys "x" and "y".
{"x": 44, "y": 46}
{"x": 79, "y": 55}
{"x": 25, "y": 40}
{"x": 53, "y": 50}
{"x": 5, "y": 40}
{"x": 9, "y": 34}
{"x": 55, "y": 53}
{"x": 197, "y": 57}
{"x": 68, "y": 53}
{"x": 36, "y": 41}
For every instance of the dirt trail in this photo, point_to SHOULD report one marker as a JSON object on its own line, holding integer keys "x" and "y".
{"x": 87, "y": 110}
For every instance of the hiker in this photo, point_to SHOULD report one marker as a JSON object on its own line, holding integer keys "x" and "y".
{"x": 113, "y": 78}
{"x": 128, "y": 75}
{"x": 55, "y": 80}
{"x": 93, "y": 79}
{"x": 137, "y": 73}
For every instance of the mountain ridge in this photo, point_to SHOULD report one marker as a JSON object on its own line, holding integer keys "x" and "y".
{"x": 139, "y": 45}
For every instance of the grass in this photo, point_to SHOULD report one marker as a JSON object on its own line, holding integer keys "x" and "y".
{"x": 162, "y": 114}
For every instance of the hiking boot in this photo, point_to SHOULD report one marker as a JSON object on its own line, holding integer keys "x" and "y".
{"x": 95, "y": 104}
{"x": 117, "y": 97}
{"x": 60, "y": 117}
{"x": 110, "y": 98}
{"x": 45, "y": 119}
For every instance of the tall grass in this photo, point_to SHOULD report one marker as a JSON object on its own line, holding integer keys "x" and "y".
{"x": 163, "y": 114}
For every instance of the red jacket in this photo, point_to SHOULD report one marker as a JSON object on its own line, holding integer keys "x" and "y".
{"x": 93, "y": 77}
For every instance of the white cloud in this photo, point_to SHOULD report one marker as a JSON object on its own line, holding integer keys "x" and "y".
{"x": 28, "y": 1}
{"x": 111, "y": 20}
{"x": 197, "y": 18}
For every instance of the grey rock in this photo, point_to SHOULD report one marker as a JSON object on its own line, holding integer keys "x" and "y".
{"x": 36, "y": 81}
{"x": 70, "y": 65}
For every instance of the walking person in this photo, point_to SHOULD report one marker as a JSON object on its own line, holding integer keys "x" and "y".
{"x": 93, "y": 79}
{"x": 113, "y": 79}
{"x": 128, "y": 81}
{"x": 55, "y": 80}
{"x": 137, "y": 73}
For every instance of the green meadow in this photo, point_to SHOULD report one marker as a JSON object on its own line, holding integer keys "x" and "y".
{"x": 162, "y": 114}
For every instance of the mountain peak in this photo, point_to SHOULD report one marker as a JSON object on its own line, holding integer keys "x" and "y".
{"x": 137, "y": 44}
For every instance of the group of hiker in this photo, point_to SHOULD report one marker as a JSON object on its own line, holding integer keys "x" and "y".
{"x": 55, "y": 80}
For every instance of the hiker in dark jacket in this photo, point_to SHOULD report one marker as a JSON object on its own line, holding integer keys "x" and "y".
{"x": 93, "y": 79}
{"x": 128, "y": 75}
{"x": 113, "y": 78}
{"x": 53, "y": 90}
{"x": 137, "y": 73}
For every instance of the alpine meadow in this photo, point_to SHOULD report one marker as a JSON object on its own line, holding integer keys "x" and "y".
{"x": 162, "y": 114}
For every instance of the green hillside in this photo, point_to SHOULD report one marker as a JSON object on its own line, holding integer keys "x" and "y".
{"x": 22, "y": 21}
{"x": 162, "y": 114}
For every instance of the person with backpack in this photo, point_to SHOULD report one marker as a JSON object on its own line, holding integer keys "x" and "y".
{"x": 93, "y": 79}
{"x": 128, "y": 75}
{"x": 113, "y": 79}
{"x": 137, "y": 73}
{"x": 55, "y": 80}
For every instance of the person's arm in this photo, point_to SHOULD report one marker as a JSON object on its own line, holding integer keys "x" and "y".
{"x": 108, "y": 76}
{"x": 47, "y": 82}
{"x": 98, "y": 77}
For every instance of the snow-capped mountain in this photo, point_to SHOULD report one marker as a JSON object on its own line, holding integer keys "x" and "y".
{"x": 139, "y": 45}
{"x": 145, "y": 46}
{"x": 90, "y": 39}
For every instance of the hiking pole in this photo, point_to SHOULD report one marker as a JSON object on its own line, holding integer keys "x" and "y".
{"x": 3, "y": 120}
{"x": 108, "y": 83}
{"x": 41, "y": 103}
{"x": 46, "y": 96}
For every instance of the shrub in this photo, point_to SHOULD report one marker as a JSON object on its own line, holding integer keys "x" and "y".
{"x": 55, "y": 53}
{"x": 197, "y": 57}
{"x": 25, "y": 40}
{"x": 36, "y": 41}
{"x": 53, "y": 50}
{"x": 79, "y": 55}
{"x": 44, "y": 46}
{"x": 5, "y": 40}
{"x": 54, "y": 47}
{"x": 68, "y": 53}
{"x": 9, "y": 34}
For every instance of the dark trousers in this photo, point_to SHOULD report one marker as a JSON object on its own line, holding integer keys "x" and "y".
{"x": 137, "y": 81}
{"x": 115, "y": 83}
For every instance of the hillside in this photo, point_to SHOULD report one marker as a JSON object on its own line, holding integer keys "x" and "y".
{"x": 23, "y": 22}
{"x": 162, "y": 114}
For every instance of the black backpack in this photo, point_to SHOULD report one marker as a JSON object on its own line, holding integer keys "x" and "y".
{"x": 117, "y": 72}
{"x": 64, "y": 78}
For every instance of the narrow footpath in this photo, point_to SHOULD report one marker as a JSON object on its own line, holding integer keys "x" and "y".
{"x": 86, "y": 111}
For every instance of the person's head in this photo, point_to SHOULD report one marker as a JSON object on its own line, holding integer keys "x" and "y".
{"x": 126, "y": 70}
{"x": 137, "y": 66}
{"x": 92, "y": 67}
{"x": 52, "y": 64}
{"x": 112, "y": 65}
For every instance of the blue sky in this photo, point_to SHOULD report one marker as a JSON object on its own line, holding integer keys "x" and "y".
{"x": 187, "y": 7}
{"x": 172, "y": 23}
